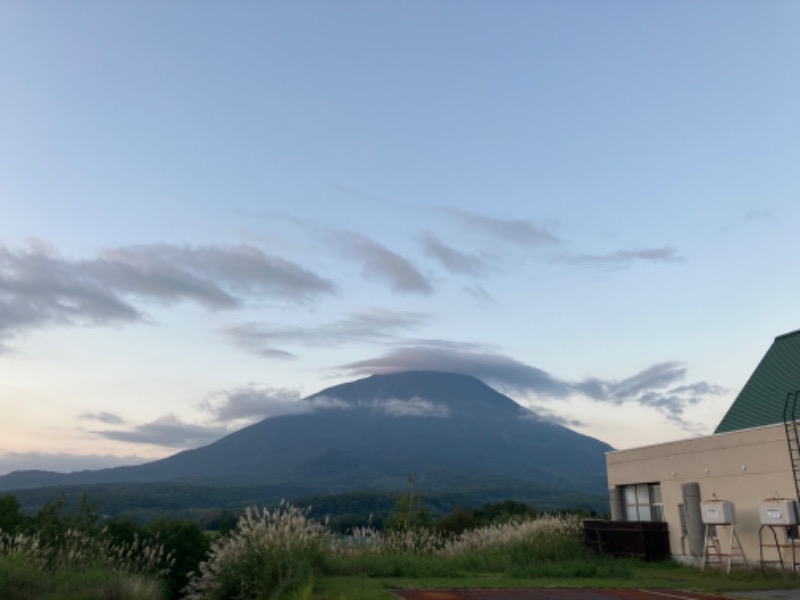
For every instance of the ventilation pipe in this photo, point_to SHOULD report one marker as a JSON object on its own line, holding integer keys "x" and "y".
{"x": 695, "y": 532}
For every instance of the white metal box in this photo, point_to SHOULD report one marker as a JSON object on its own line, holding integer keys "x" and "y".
{"x": 778, "y": 511}
{"x": 718, "y": 512}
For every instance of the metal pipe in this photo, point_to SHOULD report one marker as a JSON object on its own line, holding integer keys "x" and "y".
{"x": 694, "y": 519}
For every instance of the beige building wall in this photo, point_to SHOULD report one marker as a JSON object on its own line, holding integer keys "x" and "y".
{"x": 744, "y": 467}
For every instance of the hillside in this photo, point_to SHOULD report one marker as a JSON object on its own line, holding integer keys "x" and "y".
{"x": 453, "y": 432}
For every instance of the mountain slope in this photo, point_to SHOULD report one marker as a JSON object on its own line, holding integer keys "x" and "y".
{"x": 450, "y": 431}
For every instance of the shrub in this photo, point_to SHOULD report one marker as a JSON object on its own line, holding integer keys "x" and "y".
{"x": 271, "y": 553}
{"x": 543, "y": 538}
{"x": 186, "y": 544}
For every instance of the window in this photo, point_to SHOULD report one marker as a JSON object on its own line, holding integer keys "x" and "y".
{"x": 643, "y": 502}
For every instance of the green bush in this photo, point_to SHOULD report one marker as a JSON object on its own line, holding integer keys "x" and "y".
{"x": 187, "y": 546}
{"x": 270, "y": 554}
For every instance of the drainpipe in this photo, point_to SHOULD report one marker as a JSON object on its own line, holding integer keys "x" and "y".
{"x": 695, "y": 532}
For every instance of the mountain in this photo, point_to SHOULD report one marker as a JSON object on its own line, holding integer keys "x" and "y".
{"x": 452, "y": 432}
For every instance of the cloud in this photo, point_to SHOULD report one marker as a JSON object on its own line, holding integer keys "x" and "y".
{"x": 63, "y": 462}
{"x": 104, "y": 417}
{"x": 672, "y": 406}
{"x": 453, "y": 260}
{"x": 655, "y": 377}
{"x": 253, "y": 403}
{"x": 651, "y": 388}
{"x": 413, "y": 407}
{"x": 378, "y": 262}
{"x": 167, "y": 431}
{"x": 479, "y": 293}
{"x": 700, "y": 388}
{"x": 540, "y": 414}
{"x": 520, "y": 231}
{"x": 761, "y": 215}
{"x": 322, "y": 402}
{"x": 39, "y": 287}
{"x": 658, "y": 376}
{"x": 255, "y": 338}
{"x": 431, "y": 355}
{"x": 227, "y": 411}
{"x": 654, "y": 387}
{"x": 216, "y": 276}
{"x": 367, "y": 326}
{"x": 621, "y": 258}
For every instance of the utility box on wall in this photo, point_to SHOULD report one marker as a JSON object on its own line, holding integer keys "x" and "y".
{"x": 778, "y": 511}
{"x": 718, "y": 512}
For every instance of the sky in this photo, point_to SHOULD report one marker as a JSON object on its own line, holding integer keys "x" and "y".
{"x": 210, "y": 210}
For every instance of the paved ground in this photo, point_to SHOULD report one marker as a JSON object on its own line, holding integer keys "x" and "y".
{"x": 587, "y": 594}
{"x": 770, "y": 595}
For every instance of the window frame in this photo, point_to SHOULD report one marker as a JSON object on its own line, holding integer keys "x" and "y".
{"x": 643, "y": 502}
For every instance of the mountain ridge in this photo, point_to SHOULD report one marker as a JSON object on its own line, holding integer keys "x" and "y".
{"x": 450, "y": 430}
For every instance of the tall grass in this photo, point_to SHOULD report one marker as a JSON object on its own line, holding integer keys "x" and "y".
{"x": 278, "y": 553}
{"x": 270, "y": 554}
{"x": 543, "y": 546}
{"x": 79, "y": 565}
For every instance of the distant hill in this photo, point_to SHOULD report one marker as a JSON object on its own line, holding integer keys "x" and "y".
{"x": 452, "y": 432}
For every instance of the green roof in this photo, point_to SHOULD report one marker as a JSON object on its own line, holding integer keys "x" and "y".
{"x": 762, "y": 399}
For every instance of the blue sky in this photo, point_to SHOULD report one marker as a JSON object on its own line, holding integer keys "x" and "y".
{"x": 211, "y": 210}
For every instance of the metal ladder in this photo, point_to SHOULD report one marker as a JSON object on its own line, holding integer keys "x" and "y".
{"x": 793, "y": 436}
{"x": 714, "y": 554}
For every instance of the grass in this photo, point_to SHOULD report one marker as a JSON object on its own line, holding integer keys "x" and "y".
{"x": 76, "y": 566}
{"x": 542, "y": 552}
{"x": 20, "y": 579}
{"x": 282, "y": 554}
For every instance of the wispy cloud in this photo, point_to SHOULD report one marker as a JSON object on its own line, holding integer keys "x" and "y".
{"x": 479, "y": 293}
{"x": 412, "y": 407}
{"x": 656, "y": 387}
{"x": 762, "y": 215}
{"x": 540, "y": 414}
{"x": 226, "y": 412}
{"x": 217, "y": 276}
{"x": 701, "y": 388}
{"x": 256, "y": 338}
{"x": 378, "y": 262}
{"x": 322, "y": 402}
{"x": 103, "y": 417}
{"x": 494, "y": 368}
{"x": 657, "y": 376}
{"x": 40, "y": 287}
{"x": 622, "y": 258}
{"x": 62, "y": 462}
{"x": 248, "y": 403}
{"x": 519, "y": 231}
{"x": 366, "y": 326}
{"x": 168, "y": 431}
{"x": 455, "y": 261}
